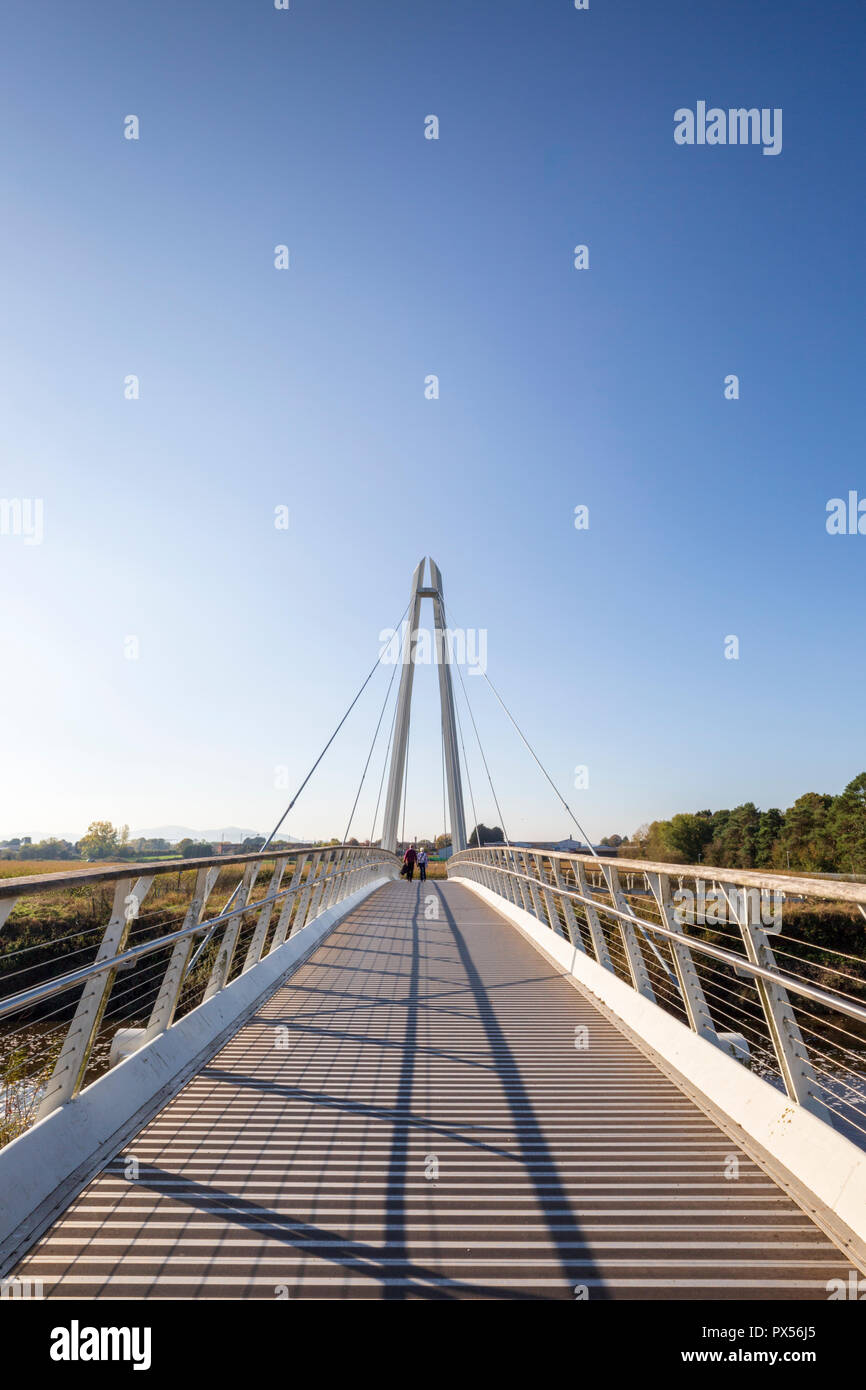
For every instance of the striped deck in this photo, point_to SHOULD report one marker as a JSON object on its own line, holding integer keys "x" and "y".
{"x": 409, "y": 1117}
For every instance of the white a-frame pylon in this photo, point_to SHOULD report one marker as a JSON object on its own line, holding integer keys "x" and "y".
{"x": 404, "y": 705}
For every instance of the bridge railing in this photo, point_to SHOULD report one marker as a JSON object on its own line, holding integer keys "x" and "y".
{"x": 78, "y": 992}
{"x": 770, "y": 967}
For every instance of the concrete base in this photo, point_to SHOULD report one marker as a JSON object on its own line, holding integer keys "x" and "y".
{"x": 46, "y": 1167}
{"x": 823, "y": 1171}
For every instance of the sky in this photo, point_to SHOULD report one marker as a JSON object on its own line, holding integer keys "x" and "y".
{"x": 170, "y": 655}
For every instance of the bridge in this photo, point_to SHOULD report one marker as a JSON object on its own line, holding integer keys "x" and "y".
{"x": 294, "y": 1074}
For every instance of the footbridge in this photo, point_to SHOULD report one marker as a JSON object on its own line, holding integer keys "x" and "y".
{"x": 294, "y": 1074}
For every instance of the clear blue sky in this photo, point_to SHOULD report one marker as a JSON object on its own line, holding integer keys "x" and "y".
{"x": 306, "y": 387}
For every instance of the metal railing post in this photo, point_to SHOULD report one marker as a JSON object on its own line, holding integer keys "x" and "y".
{"x": 567, "y": 909}
{"x": 596, "y": 932}
{"x": 537, "y": 910}
{"x": 282, "y": 927}
{"x": 307, "y": 892}
{"x": 549, "y": 900}
{"x": 636, "y": 964}
{"x": 792, "y": 1055}
{"x": 504, "y": 882}
{"x": 697, "y": 1009}
{"x": 338, "y": 869}
{"x": 222, "y": 965}
{"x": 257, "y": 941}
{"x": 71, "y": 1065}
{"x": 164, "y": 1008}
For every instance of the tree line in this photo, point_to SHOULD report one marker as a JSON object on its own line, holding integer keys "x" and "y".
{"x": 820, "y": 833}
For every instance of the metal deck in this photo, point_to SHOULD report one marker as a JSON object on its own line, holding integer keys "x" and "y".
{"x": 409, "y": 1117}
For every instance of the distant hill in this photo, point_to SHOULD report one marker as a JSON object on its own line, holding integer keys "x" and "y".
{"x": 234, "y": 834}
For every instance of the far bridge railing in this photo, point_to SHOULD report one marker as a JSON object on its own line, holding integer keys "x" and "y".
{"x": 97, "y": 962}
{"x": 770, "y": 967}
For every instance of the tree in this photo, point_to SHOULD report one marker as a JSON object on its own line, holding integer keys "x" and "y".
{"x": 100, "y": 842}
{"x": 846, "y": 823}
{"x": 688, "y": 835}
{"x": 49, "y": 849}
{"x": 770, "y": 827}
{"x": 639, "y": 840}
{"x": 614, "y": 841}
{"x": 442, "y": 841}
{"x": 807, "y": 837}
{"x": 734, "y": 842}
{"x": 656, "y": 846}
{"x": 484, "y": 835}
{"x": 195, "y": 849}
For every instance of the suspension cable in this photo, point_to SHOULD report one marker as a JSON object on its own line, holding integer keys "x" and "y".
{"x": 273, "y": 833}
{"x": 370, "y": 754}
{"x": 468, "y": 774}
{"x": 480, "y": 749}
{"x": 589, "y": 843}
{"x": 525, "y": 740}
{"x": 406, "y": 772}
{"x": 373, "y": 671}
{"x": 444, "y": 801}
{"x": 384, "y": 770}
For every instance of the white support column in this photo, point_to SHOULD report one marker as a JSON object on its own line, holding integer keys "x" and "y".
{"x": 397, "y": 770}
{"x": 449, "y": 721}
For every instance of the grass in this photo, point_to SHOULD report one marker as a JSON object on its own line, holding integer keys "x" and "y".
{"x": 20, "y": 868}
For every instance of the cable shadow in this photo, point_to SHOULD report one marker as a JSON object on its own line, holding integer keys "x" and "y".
{"x": 352, "y": 1256}
{"x": 554, "y": 1202}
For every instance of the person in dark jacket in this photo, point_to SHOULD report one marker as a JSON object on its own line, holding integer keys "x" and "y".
{"x": 410, "y": 859}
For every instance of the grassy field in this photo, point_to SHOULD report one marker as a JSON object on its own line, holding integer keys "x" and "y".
{"x": 20, "y": 868}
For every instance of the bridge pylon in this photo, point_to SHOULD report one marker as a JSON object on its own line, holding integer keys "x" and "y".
{"x": 442, "y": 647}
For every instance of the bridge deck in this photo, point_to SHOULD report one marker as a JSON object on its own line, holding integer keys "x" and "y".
{"x": 431, "y": 1131}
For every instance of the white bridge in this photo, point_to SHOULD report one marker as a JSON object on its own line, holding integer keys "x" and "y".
{"x": 293, "y": 1074}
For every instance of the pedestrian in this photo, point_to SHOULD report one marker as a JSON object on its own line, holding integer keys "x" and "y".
{"x": 410, "y": 859}
{"x": 422, "y": 864}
